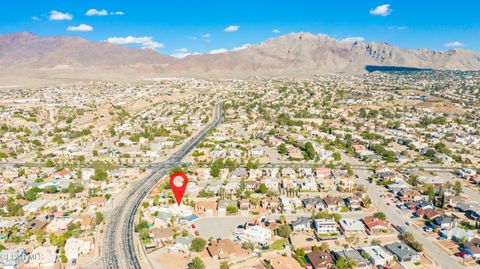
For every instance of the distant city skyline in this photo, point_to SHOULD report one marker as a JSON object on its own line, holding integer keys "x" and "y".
{"x": 215, "y": 26}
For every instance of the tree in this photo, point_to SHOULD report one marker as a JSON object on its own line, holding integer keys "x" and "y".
{"x": 457, "y": 187}
{"x": 282, "y": 219}
{"x": 282, "y": 149}
{"x": 98, "y": 217}
{"x": 224, "y": 265}
{"x": 196, "y": 263}
{"x": 380, "y": 215}
{"x": 198, "y": 244}
{"x": 263, "y": 188}
{"x": 336, "y": 156}
{"x": 309, "y": 151}
{"x": 231, "y": 209}
{"x": 284, "y": 230}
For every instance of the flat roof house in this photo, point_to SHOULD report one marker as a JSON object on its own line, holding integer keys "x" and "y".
{"x": 378, "y": 255}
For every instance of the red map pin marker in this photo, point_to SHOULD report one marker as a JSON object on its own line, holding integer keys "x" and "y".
{"x": 178, "y": 183}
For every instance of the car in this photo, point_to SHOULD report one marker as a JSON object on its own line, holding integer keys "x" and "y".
{"x": 197, "y": 233}
{"x": 461, "y": 254}
{"x": 428, "y": 229}
{"x": 193, "y": 226}
{"x": 407, "y": 223}
{"x": 388, "y": 203}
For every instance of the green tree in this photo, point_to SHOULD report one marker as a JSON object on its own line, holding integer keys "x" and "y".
{"x": 309, "y": 151}
{"x": 263, "y": 188}
{"x": 380, "y": 215}
{"x": 457, "y": 187}
{"x": 284, "y": 230}
{"x": 98, "y": 217}
{"x": 231, "y": 209}
{"x": 198, "y": 244}
{"x": 196, "y": 263}
{"x": 224, "y": 265}
{"x": 282, "y": 149}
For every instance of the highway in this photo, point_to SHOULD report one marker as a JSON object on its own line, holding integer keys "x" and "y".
{"x": 118, "y": 247}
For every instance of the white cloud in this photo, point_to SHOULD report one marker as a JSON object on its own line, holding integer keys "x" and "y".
{"x": 383, "y": 10}
{"x": 244, "y": 46}
{"x": 80, "y": 28}
{"x": 353, "y": 39}
{"x": 35, "y": 18}
{"x": 231, "y": 28}
{"x": 103, "y": 12}
{"x": 145, "y": 42}
{"x": 59, "y": 16}
{"x": 94, "y": 12}
{"x": 223, "y": 50}
{"x": 275, "y": 31}
{"x": 183, "y": 52}
{"x": 218, "y": 51}
{"x": 206, "y": 35}
{"x": 402, "y": 28}
{"x": 454, "y": 44}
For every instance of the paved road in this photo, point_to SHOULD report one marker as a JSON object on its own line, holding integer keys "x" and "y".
{"x": 119, "y": 248}
{"x": 395, "y": 217}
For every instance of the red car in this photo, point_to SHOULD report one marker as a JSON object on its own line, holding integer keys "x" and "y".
{"x": 197, "y": 233}
{"x": 461, "y": 254}
{"x": 193, "y": 226}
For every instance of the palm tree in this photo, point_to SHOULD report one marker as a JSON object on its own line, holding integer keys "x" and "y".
{"x": 196, "y": 263}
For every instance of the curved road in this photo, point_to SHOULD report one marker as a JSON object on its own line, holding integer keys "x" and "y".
{"x": 118, "y": 248}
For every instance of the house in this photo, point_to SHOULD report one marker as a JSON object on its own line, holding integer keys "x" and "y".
{"x": 375, "y": 225}
{"x": 35, "y": 206}
{"x": 350, "y": 226}
{"x": 256, "y": 234}
{"x": 208, "y": 206}
{"x": 378, "y": 255}
{"x": 326, "y": 226}
{"x": 257, "y": 152}
{"x": 301, "y": 224}
{"x": 403, "y": 252}
{"x": 445, "y": 221}
{"x": 182, "y": 244}
{"x": 352, "y": 254}
{"x": 333, "y": 204}
{"x": 472, "y": 248}
{"x": 223, "y": 205}
{"x": 458, "y": 234}
{"x": 244, "y": 204}
{"x": 75, "y": 247}
{"x": 308, "y": 184}
{"x": 428, "y": 214}
{"x": 224, "y": 249}
{"x": 320, "y": 259}
{"x": 315, "y": 202}
{"x": 203, "y": 174}
{"x": 270, "y": 203}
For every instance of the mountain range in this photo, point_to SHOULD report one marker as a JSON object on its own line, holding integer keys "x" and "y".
{"x": 294, "y": 54}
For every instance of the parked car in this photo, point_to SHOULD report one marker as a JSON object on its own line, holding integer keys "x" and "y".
{"x": 428, "y": 229}
{"x": 193, "y": 226}
{"x": 197, "y": 233}
{"x": 461, "y": 254}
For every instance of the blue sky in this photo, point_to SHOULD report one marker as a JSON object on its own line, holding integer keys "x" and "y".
{"x": 177, "y": 26}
